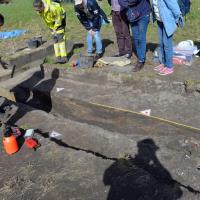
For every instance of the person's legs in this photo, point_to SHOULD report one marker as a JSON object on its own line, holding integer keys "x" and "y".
{"x": 135, "y": 36}
{"x": 126, "y": 34}
{"x": 57, "y": 50}
{"x": 89, "y": 43}
{"x": 59, "y": 47}
{"x": 168, "y": 55}
{"x": 98, "y": 42}
{"x": 161, "y": 45}
{"x": 116, "y": 20}
{"x": 139, "y": 30}
{"x": 62, "y": 47}
{"x": 168, "y": 49}
{"x": 141, "y": 38}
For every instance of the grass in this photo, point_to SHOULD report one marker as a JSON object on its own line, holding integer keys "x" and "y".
{"x": 191, "y": 29}
{"x": 19, "y": 14}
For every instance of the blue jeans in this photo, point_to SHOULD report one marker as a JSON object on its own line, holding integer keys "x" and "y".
{"x": 139, "y": 30}
{"x": 166, "y": 46}
{"x": 98, "y": 42}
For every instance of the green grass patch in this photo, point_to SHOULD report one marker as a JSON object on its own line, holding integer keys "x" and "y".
{"x": 18, "y": 14}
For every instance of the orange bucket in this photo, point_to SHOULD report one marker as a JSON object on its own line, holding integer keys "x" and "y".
{"x": 10, "y": 142}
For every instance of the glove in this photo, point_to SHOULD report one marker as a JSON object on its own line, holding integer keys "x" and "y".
{"x": 55, "y": 38}
{"x": 91, "y": 32}
{"x": 180, "y": 22}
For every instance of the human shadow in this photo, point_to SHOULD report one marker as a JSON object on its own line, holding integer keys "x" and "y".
{"x": 22, "y": 91}
{"x": 107, "y": 42}
{"x": 42, "y": 93}
{"x": 142, "y": 177}
{"x": 74, "y": 46}
{"x": 139, "y": 178}
{"x": 151, "y": 46}
{"x": 35, "y": 95}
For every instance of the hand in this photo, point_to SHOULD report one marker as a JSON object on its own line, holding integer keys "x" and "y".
{"x": 53, "y": 32}
{"x": 91, "y": 32}
{"x": 55, "y": 38}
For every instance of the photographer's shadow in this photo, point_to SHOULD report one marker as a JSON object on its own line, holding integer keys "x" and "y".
{"x": 142, "y": 177}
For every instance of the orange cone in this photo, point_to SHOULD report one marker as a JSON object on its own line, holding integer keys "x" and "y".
{"x": 10, "y": 142}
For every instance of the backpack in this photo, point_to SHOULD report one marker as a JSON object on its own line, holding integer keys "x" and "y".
{"x": 184, "y": 6}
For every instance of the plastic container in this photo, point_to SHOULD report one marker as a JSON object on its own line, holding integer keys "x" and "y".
{"x": 178, "y": 61}
{"x": 34, "y": 42}
{"x": 86, "y": 61}
{"x": 10, "y": 142}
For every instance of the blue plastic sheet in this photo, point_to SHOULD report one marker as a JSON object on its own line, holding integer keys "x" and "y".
{"x": 11, "y": 34}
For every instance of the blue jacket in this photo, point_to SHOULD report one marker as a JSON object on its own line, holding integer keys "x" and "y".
{"x": 93, "y": 21}
{"x": 143, "y": 7}
{"x": 169, "y": 13}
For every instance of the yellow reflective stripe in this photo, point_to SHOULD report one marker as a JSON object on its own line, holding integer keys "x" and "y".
{"x": 62, "y": 49}
{"x": 57, "y": 49}
{"x": 63, "y": 54}
{"x": 60, "y": 31}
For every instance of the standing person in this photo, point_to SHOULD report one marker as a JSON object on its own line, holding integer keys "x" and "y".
{"x": 121, "y": 26}
{"x": 89, "y": 14}
{"x": 168, "y": 16}
{"x": 138, "y": 14}
{"x": 54, "y": 16}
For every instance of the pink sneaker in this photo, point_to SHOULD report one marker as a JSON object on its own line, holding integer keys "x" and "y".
{"x": 166, "y": 71}
{"x": 159, "y": 67}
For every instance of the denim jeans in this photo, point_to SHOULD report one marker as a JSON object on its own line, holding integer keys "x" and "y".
{"x": 166, "y": 46}
{"x": 139, "y": 30}
{"x": 98, "y": 42}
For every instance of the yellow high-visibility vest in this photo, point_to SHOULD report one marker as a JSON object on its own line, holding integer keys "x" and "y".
{"x": 53, "y": 14}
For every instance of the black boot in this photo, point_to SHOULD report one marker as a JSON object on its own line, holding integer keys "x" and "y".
{"x": 57, "y": 61}
{"x": 128, "y": 55}
{"x": 138, "y": 66}
{"x": 97, "y": 56}
{"x": 63, "y": 60}
{"x": 118, "y": 55}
